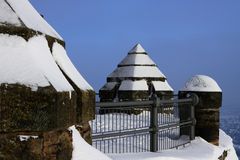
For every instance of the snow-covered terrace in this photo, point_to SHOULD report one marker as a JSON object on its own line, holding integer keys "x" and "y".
{"x": 198, "y": 149}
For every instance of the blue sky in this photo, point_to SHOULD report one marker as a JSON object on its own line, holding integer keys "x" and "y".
{"x": 184, "y": 38}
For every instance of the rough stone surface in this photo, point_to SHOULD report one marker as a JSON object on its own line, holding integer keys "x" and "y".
{"x": 43, "y": 113}
{"x": 22, "y": 109}
{"x": 132, "y": 95}
{"x": 207, "y": 113}
{"x": 51, "y": 145}
{"x": 107, "y": 95}
{"x": 86, "y": 103}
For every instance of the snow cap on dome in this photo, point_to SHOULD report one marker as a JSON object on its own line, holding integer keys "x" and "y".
{"x": 137, "y": 49}
{"x": 202, "y": 83}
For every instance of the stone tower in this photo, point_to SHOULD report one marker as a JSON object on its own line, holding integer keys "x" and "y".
{"x": 207, "y": 111}
{"x": 137, "y": 77}
{"x": 41, "y": 92}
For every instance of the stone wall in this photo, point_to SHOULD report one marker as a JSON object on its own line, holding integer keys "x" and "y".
{"x": 107, "y": 95}
{"x": 133, "y": 95}
{"x": 22, "y": 109}
{"x": 46, "y": 114}
{"x": 50, "y": 145}
{"x": 207, "y": 113}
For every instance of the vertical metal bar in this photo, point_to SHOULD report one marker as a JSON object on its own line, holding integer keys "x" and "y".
{"x": 154, "y": 126}
{"x": 192, "y": 136}
{"x": 119, "y": 143}
{"x": 126, "y": 148}
{"x": 115, "y": 145}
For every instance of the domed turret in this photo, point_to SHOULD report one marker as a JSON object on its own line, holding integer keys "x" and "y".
{"x": 207, "y": 111}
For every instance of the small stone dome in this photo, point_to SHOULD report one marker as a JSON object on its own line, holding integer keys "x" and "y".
{"x": 202, "y": 83}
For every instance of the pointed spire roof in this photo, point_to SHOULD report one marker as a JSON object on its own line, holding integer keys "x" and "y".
{"x": 137, "y": 64}
{"x": 20, "y": 13}
{"x": 137, "y": 49}
{"x": 137, "y": 56}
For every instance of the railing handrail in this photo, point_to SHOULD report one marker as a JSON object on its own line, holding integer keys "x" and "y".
{"x": 124, "y": 104}
{"x": 157, "y": 102}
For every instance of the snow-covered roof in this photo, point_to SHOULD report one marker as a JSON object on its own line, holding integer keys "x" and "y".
{"x": 202, "y": 83}
{"x": 61, "y": 58}
{"x": 137, "y": 65}
{"x": 22, "y": 13}
{"x": 129, "y": 85}
{"x": 137, "y": 49}
{"x": 29, "y": 63}
{"x": 137, "y": 59}
{"x": 7, "y": 15}
{"x": 161, "y": 86}
{"x": 137, "y": 71}
{"x": 109, "y": 86}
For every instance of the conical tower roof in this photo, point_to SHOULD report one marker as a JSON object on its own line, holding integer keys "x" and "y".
{"x": 20, "y": 13}
{"x": 137, "y": 64}
{"x": 137, "y": 49}
{"x": 136, "y": 77}
{"x": 38, "y": 59}
{"x": 137, "y": 56}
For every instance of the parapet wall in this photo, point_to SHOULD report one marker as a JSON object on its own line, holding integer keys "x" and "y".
{"x": 24, "y": 110}
{"x": 46, "y": 115}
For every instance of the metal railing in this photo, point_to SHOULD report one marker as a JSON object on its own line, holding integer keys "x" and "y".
{"x": 139, "y": 126}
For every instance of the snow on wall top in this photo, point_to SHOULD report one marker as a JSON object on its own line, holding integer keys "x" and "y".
{"x": 61, "y": 58}
{"x": 23, "y": 10}
{"x": 161, "y": 86}
{"x": 109, "y": 86}
{"x": 137, "y": 71}
{"x": 129, "y": 85}
{"x": 7, "y": 16}
{"x": 137, "y": 49}
{"x": 29, "y": 63}
{"x": 137, "y": 59}
{"x": 202, "y": 83}
{"x": 82, "y": 150}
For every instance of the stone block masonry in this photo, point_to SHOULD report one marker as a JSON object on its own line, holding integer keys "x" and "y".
{"x": 45, "y": 115}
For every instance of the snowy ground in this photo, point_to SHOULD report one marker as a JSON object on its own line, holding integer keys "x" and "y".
{"x": 199, "y": 149}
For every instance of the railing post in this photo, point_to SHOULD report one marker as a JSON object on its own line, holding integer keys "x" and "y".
{"x": 154, "y": 125}
{"x": 192, "y": 135}
{"x": 195, "y": 101}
